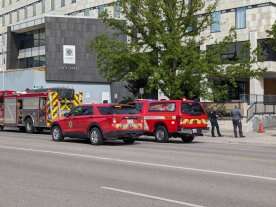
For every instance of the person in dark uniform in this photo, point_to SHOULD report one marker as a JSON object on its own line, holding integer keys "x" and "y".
{"x": 214, "y": 123}
{"x": 236, "y": 118}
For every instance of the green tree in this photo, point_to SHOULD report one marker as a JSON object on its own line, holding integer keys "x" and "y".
{"x": 164, "y": 46}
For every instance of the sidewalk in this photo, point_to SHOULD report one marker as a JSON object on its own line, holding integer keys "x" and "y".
{"x": 269, "y": 137}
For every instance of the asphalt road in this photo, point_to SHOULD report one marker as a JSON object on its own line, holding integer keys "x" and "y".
{"x": 34, "y": 171}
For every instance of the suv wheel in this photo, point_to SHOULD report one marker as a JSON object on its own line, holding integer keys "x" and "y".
{"x": 187, "y": 138}
{"x": 95, "y": 136}
{"x": 161, "y": 134}
{"x": 57, "y": 135}
{"x": 29, "y": 126}
{"x": 129, "y": 140}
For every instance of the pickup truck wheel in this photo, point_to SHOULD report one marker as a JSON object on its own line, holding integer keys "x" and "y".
{"x": 56, "y": 133}
{"x": 187, "y": 138}
{"x": 129, "y": 140}
{"x": 161, "y": 134}
{"x": 95, "y": 136}
{"x": 29, "y": 126}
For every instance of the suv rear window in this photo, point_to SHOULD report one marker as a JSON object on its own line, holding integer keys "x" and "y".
{"x": 105, "y": 110}
{"x": 192, "y": 108}
{"x": 127, "y": 109}
{"x": 162, "y": 107}
{"x": 121, "y": 109}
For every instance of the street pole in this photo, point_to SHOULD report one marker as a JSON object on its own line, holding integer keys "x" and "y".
{"x": 2, "y": 61}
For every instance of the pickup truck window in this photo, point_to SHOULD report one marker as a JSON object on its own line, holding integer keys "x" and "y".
{"x": 162, "y": 107}
{"x": 194, "y": 109}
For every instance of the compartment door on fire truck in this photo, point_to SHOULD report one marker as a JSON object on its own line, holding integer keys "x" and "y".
{"x": 10, "y": 110}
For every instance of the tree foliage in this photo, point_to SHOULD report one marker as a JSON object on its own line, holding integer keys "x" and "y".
{"x": 164, "y": 47}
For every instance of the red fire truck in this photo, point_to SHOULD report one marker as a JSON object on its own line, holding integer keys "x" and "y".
{"x": 172, "y": 118}
{"x": 35, "y": 110}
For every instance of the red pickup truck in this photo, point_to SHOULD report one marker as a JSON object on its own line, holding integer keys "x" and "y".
{"x": 172, "y": 118}
{"x": 99, "y": 122}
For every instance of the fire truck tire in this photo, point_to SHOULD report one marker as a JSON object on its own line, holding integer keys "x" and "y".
{"x": 56, "y": 133}
{"x": 187, "y": 138}
{"x": 129, "y": 140}
{"x": 95, "y": 136}
{"x": 161, "y": 134}
{"x": 29, "y": 126}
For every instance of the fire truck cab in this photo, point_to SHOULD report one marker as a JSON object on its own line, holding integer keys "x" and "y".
{"x": 172, "y": 118}
{"x": 32, "y": 111}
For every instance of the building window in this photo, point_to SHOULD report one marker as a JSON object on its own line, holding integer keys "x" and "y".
{"x": 231, "y": 53}
{"x": 43, "y": 6}
{"x": 17, "y": 15}
{"x": 74, "y": 1}
{"x": 10, "y": 18}
{"x": 266, "y": 50}
{"x": 86, "y": 12}
{"x": 62, "y": 3}
{"x": 241, "y": 18}
{"x": 101, "y": 9}
{"x": 31, "y": 39}
{"x": 52, "y": 4}
{"x": 10, "y": 1}
{"x": 117, "y": 10}
{"x": 3, "y": 21}
{"x": 25, "y": 13}
{"x": 215, "y": 22}
{"x": 34, "y": 9}
{"x": 3, "y": 3}
{"x": 30, "y": 62}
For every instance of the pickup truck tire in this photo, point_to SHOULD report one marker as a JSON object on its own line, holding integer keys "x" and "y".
{"x": 188, "y": 138}
{"x": 56, "y": 133}
{"x": 95, "y": 136}
{"x": 161, "y": 134}
{"x": 129, "y": 140}
{"x": 29, "y": 126}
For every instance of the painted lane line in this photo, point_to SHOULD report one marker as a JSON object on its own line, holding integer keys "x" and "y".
{"x": 151, "y": 197}
{"x": 149, "y": 164}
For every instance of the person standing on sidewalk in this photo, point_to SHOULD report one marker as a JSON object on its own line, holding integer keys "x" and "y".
{"x": 214, "y": 123}
{"x": 236, "y": 119}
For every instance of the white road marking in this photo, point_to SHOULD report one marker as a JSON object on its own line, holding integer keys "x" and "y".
{"x": 150, "y": 164}
{"x": 151, "y": 197}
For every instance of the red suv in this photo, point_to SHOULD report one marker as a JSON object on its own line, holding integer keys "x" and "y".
{"x": 99, "y": 122}
{"x": 172, "y": 118}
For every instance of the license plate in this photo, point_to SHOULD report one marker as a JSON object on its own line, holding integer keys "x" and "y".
{"x": 194, "y": 130}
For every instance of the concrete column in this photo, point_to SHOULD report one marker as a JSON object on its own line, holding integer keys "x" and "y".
{"x": 256, "y": 90}
{"x": 256, "y": 85}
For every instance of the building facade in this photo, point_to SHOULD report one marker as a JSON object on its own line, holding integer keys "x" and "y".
{"x": 36, "y": 33}
{"x": 251, "y": 19}
{"x": 45, "y": 43}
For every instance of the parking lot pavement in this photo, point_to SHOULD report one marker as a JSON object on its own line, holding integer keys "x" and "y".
{"x": 34, "y": 171}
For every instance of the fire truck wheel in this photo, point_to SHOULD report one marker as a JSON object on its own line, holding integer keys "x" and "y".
{"x": 29, "y": 126}
{"x": 129, "y": 140}
{"x": 57, "y": 135}
{"x": 95, "y": 136}
{"x": 161, "y": 134}
{"x": 187, "y": 138}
